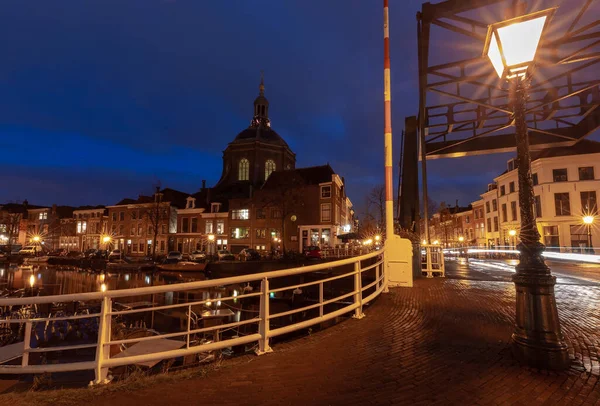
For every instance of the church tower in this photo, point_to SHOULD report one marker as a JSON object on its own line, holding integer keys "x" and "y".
{"x": 256, "y": 152}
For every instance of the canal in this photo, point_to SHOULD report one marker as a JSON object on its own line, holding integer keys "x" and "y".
{"x": 60, "y": 281}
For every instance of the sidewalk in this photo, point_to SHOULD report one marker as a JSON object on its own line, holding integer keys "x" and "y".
{"x": 445, "y": 341}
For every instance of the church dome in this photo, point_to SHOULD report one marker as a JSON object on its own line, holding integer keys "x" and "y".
{"x": 259, "y": 133}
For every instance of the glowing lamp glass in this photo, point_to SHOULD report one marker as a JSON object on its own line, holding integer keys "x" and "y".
{"x": 520, "y": 40}
{"x": 512, "y": 45}
{"x": 588, "y": 219}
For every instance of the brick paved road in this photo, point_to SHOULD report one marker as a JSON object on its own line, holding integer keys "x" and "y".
{"x": 445, "y": 341}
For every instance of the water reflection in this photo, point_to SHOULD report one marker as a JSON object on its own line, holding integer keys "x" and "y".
{"x": 57, "y": 281}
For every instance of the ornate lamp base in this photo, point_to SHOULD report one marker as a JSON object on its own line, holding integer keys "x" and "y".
{"x": 538, "y": 340}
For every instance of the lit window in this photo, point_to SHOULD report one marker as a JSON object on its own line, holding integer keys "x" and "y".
{"x": 209, "y": 227}
{"x": 220, "y": 227}
{"x": 269, "y": 168}
{"x": 244, "y": 169}
{"x": 240, "y": 214}
{"x": 325, "y": 192}
{"x": 239, "y": 233}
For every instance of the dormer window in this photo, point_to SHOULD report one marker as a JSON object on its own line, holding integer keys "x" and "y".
{"x": 215, "y": 207}
{"x": 190, "y": 203}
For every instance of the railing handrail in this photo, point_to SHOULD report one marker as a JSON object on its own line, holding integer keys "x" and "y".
{"x": 103, "y": 360}
{"x": 186, "y": 285}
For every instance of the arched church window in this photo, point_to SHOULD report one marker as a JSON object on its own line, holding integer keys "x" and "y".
{"x": 269, "y": 168}
{"x": 244, "y": 169}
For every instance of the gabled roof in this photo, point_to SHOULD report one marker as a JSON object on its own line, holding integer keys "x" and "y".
{"x": 176, "y": 198}
{"x": 312, "y": 175}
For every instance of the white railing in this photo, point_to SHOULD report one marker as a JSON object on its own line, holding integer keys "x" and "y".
{"x": 343, "y": 252}
{"x": 432, "y": 260}
{"x": 184, "y": 343}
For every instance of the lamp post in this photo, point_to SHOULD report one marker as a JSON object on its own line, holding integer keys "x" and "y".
{"x": 512, "y": 234}
{"x": 107, "y": 240}
{"x": 589, "y": 220}
{"x": 537, "y": 340}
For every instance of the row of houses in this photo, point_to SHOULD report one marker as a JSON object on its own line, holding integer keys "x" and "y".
{"x": 566, "y": 184}
{"x": 261, "y": 201}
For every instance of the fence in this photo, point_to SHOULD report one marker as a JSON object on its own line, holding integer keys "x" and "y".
{"x": 344, "y": 252}
{"x": 365, "y": 281}
{"x": 432, "y": 260}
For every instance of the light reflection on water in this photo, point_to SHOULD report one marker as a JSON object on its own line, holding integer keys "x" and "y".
{"x": 57, "y": 281}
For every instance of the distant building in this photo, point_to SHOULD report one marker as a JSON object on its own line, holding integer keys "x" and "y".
{"x": 90, "y": 226}
{"x": 566, "y": 186}
{"x": 134, "y": 224}
{"x": 479, "y": 239}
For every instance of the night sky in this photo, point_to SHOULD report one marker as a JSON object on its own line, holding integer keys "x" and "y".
{"x": 103, "y": 99}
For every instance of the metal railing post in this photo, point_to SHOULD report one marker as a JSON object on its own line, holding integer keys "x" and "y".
{"x": 378, "y": 275}
{"x": 263, "y": 327}
{"x": 26, "y": 343}
{"x": 102, "y": 348}
{"x": 429, "y": 263}
{"x": 321, "y": 299}
{"x": 358, "y": 313}
{"x": 188, "y": 326}
{"x": 442, "y": 264}
{"x": 386, "y": 264}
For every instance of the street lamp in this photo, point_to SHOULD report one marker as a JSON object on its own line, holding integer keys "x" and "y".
{"x": 589, "y": 220}
{"x": 537, "y": 340}
{"x": 211, "y": 240}
{"x": 512, "y": 234}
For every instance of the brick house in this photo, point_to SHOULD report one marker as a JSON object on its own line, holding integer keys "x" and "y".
{"x": 199, "y": 219}
{"x": 133, "y": 224}
{"x": 302, "y": 207}
{"x": 90, "y": 226}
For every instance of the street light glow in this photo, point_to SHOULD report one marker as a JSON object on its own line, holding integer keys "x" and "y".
{"x": 588, "y": 220}
{"x": 377, "y": 237}
{"x": 36, "y": 238}
{"x": 31, "y": 281}
{"x": 512, "y": 233}
{"x": 511, "y": 45}
{"x": 211, "y": 237}
{"x": 106, "y": 239}
{"x": 461, "y": 238}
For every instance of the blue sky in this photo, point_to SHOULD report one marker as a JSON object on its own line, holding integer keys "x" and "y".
{"x": 103, "y": 99}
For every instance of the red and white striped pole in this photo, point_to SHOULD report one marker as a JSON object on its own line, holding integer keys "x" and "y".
{"x": 387, "y": 97}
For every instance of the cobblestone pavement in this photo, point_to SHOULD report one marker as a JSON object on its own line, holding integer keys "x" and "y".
{"x": 445, "y": 341}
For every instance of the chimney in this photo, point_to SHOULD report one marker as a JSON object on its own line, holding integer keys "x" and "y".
{"x": 54, "y": 208}
{"x": 203, "y": 185}
{"x": 25, "y": 204}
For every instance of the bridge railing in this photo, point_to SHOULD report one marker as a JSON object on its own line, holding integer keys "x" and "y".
{"x": 202, "y": 309}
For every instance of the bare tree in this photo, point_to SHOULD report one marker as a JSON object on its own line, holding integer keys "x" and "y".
{"x": 12, "y": 221}
{"x": 283, "y": 192}
{"x": 376, "y": 201}
{"x": 157, "y": 215}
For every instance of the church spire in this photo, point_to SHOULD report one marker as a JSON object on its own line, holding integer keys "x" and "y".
{"x": 261, "y": 106}
{"x": 261, "y": 87}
